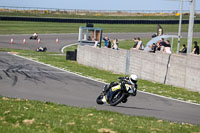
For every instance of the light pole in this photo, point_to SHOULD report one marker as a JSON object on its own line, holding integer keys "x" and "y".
{"x": 179, "y": 28}
{"x": 191, "y": 25}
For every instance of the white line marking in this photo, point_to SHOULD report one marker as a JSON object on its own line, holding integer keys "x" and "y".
{"x": 62, "y": 50}
{"x": 100, "y": 81}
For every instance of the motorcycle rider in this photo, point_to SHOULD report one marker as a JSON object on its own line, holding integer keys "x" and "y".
{"x": 132, "y": 80}
{"x": 34, "y": 36}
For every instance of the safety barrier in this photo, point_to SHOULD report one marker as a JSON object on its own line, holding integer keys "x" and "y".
{"x": 60, "y": 20}
{"x": 178, "y": 70}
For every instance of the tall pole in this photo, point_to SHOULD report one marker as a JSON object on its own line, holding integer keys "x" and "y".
{"x": 191, "y": 25}
{"x": 179, "y": 28}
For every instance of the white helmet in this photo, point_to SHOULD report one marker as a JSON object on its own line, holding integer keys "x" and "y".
{"x": 133, "y": 78}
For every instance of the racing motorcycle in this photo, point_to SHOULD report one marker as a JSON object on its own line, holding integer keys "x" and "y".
{"x": 33, "y": 37}
{"x": 116, "y": 93}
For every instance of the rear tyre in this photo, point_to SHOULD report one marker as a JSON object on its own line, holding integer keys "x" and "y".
{"x": 99, "y": 99}
{"x": 117, "y": 98}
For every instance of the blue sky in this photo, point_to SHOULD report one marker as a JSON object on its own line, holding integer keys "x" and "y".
{"x": 102, "y": 4}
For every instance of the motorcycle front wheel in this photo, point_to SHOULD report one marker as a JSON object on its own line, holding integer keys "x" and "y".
{"x": 117, "y": 98}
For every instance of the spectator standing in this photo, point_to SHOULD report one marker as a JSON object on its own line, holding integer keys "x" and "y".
{"x": 184, "y": 49}
{"x": 196, "y": 48}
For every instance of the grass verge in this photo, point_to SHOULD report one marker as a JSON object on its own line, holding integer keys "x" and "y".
{"x": 106, "y": 76}
{"x": 22, "y": 27}
{"x": 25, "y": 116}
{"x": 92, "y": 14}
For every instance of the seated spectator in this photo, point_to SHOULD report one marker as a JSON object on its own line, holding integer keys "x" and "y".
{"x": 140, "y": 45}
{"x": 135, "y": 42}
{"x": 115, "y": 44}
{"x": 184, "y": 49}
{"x": 158, "y": 47}
{"x": 109, "y": 43}
{"x": 96, "y": 43}
{"x": 153, "y": 48}
{"x": 162, "y": 44}
{"x": 167, "y": 47}
{"x": 89, "y": 38}
{"x": 196, "y": 48}
{"x": 106, "y": 41}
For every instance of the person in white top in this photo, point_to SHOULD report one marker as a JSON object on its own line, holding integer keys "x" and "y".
{"x": 139, "y": 44}
{"x": 167, "y": 47}
{"x": 115, "y": 44}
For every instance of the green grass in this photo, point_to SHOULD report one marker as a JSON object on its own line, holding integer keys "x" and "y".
{"x": 106, "y": 76}
{"x": 21, "y": 27}
{"x": 25, "y": 116}
{"x": 90, "y": 15}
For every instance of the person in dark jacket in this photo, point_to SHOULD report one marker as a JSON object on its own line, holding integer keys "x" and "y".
{"x": 196, "y": 48}
{"x": 184, "y": 49}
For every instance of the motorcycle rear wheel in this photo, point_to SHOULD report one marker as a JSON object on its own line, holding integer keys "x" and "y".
{"x": 99, "y": 99}
{"x": 117, "y": 98}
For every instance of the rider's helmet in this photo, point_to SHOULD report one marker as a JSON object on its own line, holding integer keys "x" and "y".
{"x": 133, "y": 78}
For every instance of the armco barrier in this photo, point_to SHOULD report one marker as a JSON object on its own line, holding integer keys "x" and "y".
{"x": 100, "y": 21}
{"x": 178, "y": 70}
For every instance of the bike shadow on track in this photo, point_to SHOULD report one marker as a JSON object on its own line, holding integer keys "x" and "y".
{"x": 134, "y": 108}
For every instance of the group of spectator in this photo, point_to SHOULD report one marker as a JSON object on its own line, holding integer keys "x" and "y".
{"x": 162, "y": 45}
{"x": 194, "y": 51}
{"x": 113, "y": 45}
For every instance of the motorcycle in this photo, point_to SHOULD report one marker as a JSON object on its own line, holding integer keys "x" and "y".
{"x": 116, "y": 93}
{"x": 34, "y": 36}
{"x": 41, "y": 49}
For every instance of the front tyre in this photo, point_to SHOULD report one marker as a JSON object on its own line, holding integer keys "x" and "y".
{"x": 99, "y": 99}
{"x": 117, "y": 98}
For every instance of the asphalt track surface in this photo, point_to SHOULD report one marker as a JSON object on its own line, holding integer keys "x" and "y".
{"x": 22, "y": 78}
